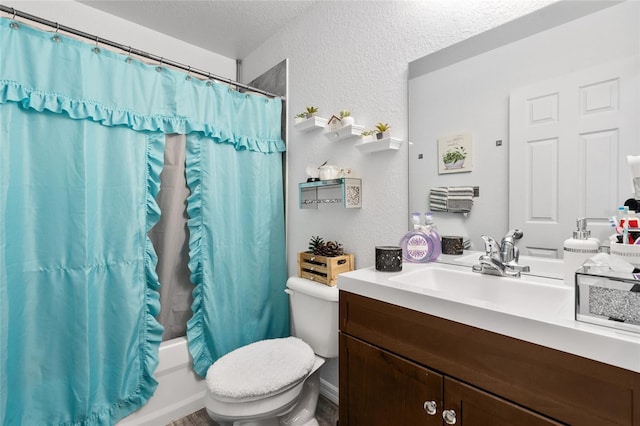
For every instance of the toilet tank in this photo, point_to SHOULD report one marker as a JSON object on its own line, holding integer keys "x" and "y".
{"x": 314, "y": 315}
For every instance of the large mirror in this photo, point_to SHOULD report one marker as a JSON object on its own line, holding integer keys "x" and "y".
{"x": 538, "y": 115}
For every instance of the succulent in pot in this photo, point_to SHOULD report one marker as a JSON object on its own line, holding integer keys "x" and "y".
{"x": 345, "y": 118}
{"x": 309, "y": 112}
{"x": 382, "y": 130}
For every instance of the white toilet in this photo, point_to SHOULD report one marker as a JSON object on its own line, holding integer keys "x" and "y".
{"x": 277, "y": 381}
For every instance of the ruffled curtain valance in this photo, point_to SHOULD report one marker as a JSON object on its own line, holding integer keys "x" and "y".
{"x": 88, "y": 82}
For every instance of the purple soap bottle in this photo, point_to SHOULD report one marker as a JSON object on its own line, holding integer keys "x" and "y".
{"x": 417, "y": 246}
{"x": 431, "y": 230}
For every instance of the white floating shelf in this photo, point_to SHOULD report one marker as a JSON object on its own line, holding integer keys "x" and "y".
{"x": 312, "y": 123}
{"x": 386, "y": 144}
{"x": 345, "y": 132}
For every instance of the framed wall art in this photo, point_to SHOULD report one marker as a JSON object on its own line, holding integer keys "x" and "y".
{"x": 455, "y": 153}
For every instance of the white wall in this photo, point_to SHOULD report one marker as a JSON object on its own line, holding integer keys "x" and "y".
{"x": 95, "y": 22}
{"x": 355, "y": 55}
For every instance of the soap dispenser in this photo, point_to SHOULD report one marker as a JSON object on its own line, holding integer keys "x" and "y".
{"x": 416, "y": 245}
{"x": 577, "y": 250}
{"x": 431, "y": 230}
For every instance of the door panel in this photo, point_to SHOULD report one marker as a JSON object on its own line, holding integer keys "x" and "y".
{"x": 569, "y": 138}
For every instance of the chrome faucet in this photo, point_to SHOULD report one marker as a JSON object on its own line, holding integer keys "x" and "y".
{"x": 501, "y": 259}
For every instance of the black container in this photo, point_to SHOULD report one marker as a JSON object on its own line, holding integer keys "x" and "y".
{"x": 388, "y": 258}
{"x": 452, "y": 244}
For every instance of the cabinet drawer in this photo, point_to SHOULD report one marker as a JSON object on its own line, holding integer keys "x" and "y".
{"x": 562, "y": 386}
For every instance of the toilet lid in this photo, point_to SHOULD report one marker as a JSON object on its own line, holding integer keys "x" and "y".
{"x": 260, "y": 368}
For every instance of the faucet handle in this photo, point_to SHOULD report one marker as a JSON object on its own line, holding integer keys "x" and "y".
{"x": 491, "y": 246}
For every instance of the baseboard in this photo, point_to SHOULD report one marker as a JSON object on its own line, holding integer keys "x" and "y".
{"x": 329, "y": 391}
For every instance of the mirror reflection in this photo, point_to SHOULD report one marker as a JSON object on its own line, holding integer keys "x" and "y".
{"x": 545, "y": 110}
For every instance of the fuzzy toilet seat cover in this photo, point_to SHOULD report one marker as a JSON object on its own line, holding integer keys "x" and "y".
{"x": 260, "y": 368}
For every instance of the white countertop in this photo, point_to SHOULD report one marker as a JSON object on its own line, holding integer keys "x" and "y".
{"x": 562, "y": 332}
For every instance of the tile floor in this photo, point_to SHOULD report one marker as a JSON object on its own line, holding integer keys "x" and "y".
{"x": 326, "y": 413}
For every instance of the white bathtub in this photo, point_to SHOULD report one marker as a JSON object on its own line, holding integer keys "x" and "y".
{"x": 180, "y": 390}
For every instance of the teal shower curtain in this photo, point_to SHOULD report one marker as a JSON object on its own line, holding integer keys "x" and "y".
{"x": 239, "y": 266}
{"x": 81, "y": 148}
{"x": 78, "y": 289}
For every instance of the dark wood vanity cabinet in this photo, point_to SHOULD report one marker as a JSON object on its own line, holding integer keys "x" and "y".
{"x": 403, "y": 367}
{"x": 384, "y": 389}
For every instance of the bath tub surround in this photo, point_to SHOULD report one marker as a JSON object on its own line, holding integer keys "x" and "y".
{"x": 180, "y": 390}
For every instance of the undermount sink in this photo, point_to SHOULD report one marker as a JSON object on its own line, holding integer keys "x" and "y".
{"x": 528, "y": 295}
{"x": 540, "y": 266}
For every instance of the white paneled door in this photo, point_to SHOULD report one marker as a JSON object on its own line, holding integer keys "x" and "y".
{"x": 568, "y": 141}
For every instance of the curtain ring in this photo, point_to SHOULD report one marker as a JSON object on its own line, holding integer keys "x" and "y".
{"x": 14, "y": 25}
{"x": 129, "y": 58}
{"x": 56, "y": 37}
{"x": 209, "y": 79}
{"x": 159, "y": 67}
{"x": 96, "y": 49}
{"x": 188, "y": 77}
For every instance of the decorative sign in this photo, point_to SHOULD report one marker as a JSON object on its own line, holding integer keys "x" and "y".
{"x": 455, "y": 153}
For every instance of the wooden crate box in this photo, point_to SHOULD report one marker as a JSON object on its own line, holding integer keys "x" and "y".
{"x": 324, "y": 269}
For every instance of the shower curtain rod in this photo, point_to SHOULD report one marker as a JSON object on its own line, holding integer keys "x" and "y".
{"x": 131, "y": 51}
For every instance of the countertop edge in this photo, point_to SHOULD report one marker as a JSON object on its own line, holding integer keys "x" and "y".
{"x": 610, "y": 346}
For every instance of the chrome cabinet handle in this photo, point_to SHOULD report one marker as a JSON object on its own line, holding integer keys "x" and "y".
{"x": 431, "y": 407}
{"x": 449, "y": 417}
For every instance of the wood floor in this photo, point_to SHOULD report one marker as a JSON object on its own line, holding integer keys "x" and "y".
{"x": 326, "y": 414}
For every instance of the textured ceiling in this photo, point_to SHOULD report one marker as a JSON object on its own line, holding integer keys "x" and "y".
{"x": 227, "y": 27}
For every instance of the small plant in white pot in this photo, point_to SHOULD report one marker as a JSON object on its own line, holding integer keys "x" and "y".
{"x": 382, "y": 130}
{"x": 345, "y": 118}
{"x": 368, "y": 135}
{"x": 308, "y": 113}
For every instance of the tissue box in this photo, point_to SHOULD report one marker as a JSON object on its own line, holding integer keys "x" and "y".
{"x": 610, "y": 299}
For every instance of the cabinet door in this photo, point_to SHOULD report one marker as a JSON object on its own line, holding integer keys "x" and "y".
{"x": 469, "y": 406}
{"x": 380, "y": 388}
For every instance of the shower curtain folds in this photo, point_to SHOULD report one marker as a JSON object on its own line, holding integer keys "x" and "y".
{"x": 238, "y": 269}
{"x": 78, "y": 290}
{"x": 81, "y": 148}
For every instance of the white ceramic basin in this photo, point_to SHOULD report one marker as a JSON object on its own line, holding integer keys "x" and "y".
{"x": 540, "y": 266}
{"x": 527, "y": 296}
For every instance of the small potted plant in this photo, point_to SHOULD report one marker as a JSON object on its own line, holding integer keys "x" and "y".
{"x": 454, "y": 158}
{"x": 311, "y": 111}
{"x": 345, "y": 118}
{"x": 368, "y": 134}
{"x": 382, "y": 130}
{"x": 308, "y": 113}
